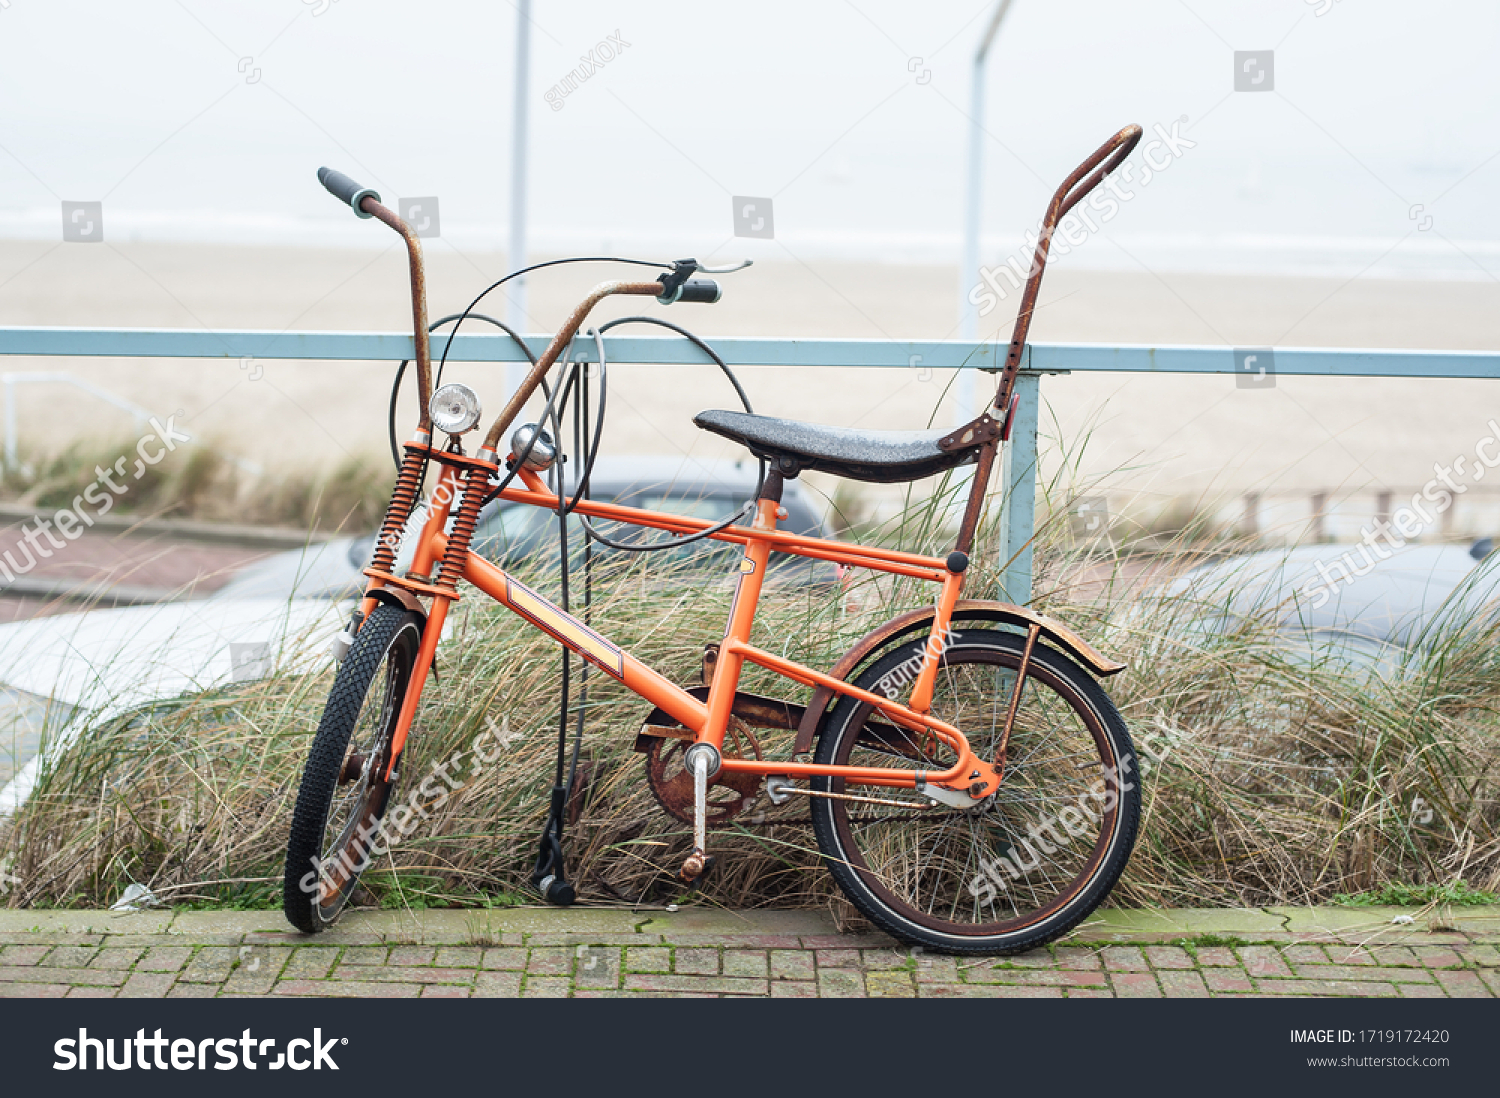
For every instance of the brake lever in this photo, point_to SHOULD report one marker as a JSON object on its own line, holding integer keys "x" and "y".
{"x": 740, "y": 266}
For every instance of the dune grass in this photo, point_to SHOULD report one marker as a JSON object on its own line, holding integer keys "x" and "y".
{"x": 1269, "y": 779}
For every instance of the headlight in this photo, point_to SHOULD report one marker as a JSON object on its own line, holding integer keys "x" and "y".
{"x": 454, "y": 408}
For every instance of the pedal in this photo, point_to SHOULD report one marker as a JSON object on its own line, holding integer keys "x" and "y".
{"x": 695, "y": 867}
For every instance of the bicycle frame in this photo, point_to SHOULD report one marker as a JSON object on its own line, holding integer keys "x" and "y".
{"x": 709, "y": 721}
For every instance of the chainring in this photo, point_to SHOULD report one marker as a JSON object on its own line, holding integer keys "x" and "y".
{"x": 729, "y": 794}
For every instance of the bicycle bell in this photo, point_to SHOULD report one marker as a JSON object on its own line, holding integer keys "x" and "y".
{"x": 543, "y": 450}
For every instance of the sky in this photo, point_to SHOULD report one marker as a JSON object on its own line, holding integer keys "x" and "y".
{"x": 1376, "y": 149}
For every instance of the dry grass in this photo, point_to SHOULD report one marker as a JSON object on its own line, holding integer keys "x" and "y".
{"x": 1281, "y": 782}
{"x": 200, "y": 482}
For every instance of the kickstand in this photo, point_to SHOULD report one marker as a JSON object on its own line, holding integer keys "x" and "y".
{"x": 549, "y": 875}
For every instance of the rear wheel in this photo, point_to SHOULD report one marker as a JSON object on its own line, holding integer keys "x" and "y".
{"x": 336, "y": 829}
{"x": 1022, "y": 867}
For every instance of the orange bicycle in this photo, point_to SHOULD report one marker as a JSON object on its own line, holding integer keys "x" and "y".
{"x": 972, "y": 787}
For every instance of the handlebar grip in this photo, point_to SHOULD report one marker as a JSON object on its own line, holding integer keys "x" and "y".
{"x": 345, "y": 189}
{"x": 704, "y": 291}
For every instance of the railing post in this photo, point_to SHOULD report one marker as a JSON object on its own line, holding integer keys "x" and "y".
{"x": 10, "y": 422}
{"x": 1018, "y": 507}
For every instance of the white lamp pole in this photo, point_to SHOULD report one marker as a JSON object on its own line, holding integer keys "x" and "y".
{"x": 968, "y": 274}
{"x": 516, "y": 312}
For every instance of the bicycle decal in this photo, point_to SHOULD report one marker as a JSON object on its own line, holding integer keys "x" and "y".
{"x": 565, "y": 627}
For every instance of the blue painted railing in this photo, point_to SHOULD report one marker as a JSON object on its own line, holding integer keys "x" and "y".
{"x": 1019, "y": 512}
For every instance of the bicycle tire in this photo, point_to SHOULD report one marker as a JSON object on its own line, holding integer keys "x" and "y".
{"x": 312, "y": 901}
{"x": 899, "y": 867}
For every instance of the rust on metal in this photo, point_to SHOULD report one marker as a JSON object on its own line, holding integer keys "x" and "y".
{"x": 914, "y": 620}
{"x": 559, "y": 343}
{"x": 418, "y": 302}
{"x": 1015, "y": 696}
{"x": 1104, "y": 160}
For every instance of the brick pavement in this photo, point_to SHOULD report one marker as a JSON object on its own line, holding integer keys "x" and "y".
{"x": 594, "y": 953}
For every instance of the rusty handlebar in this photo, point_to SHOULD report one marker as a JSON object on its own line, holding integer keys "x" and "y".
{"x": 1104, "y": 160}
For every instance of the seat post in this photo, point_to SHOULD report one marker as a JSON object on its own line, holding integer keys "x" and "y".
{"x": 977, "y": 488}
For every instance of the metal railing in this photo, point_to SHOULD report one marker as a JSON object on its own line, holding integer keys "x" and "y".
{"x": 1018, "y": 479}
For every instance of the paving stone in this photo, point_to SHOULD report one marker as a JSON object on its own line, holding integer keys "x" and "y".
{"x": 1491, "y": 977}
{"x": 1486, "y": 956}
{"x": 987, "y": 991}
{"x": 1422, "y": 991}
{"x": 459, "y": 957}
{"x": 192, "y": 991}
{"x": 1263, "y": 961}
{"x": 1135, "y": 985}
{"x": 210, "y": 965}
{"x": 38, "y": 974}
{"x": 840, "y": 983}
{"x": 164, "y": 959}
{"x": 444, "y": 991}
{"x": 1227, "y": 980}
{"x": 648, "y": 959}
{"x": 408, "y": 974}
{"x": 1078, "y": 957}
{"x": 1217, "y": 957}
{"x": 794, "y": 989}
{"x": 23, "y": 955}
{"x": 703, "y": 985}
{"x": 348, "y": 989}
{"x": 497, "y": 985}
{"x": 504, "y": 957}
{"x": 69, "y": 957}
{"x": 1034, "y": 978}
{"x": 148, "y": 985}
{"x": 1306, "y": 955}
{"x": 1363, "y": 972}
{"x": 696, "y": 962}
{"x": 411, "y": 955}
{"x": 787, "y": 964}
{"x": 1438, "y": 957}
{"x": 1172, "y": 957}
{"x": 745, "y": 962}
{"x": 1326, "y": 988}
{"x": 114, "y": 957}
{"x": 875, "y": 959}
{"x": 1463, "y": 984}
{"x": 933, "y": 969}
{"x": 1181, "y": 985}
{"x": 550, "y": 961}
{"x": 91, "y": 993}
{"x": 1125, "y": 959}
{"x": 364, "y": 955}
{"x": 33, "y": 991}
{"x": 310, "y": 963}
{"x": 837, "y": 958}
{"x": 889, "y": 984}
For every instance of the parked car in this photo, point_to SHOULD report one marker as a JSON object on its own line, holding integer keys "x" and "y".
{"x": 1337, "y": 601}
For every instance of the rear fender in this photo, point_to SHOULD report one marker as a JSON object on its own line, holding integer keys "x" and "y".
{"x": 877, "y": 640}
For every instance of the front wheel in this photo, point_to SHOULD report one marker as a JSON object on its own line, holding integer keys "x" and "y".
{"x": 336, "y": 826}
{"x": 1020, "y": 868}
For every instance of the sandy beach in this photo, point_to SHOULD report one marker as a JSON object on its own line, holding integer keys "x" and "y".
{"x": 1132, "y": 437}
